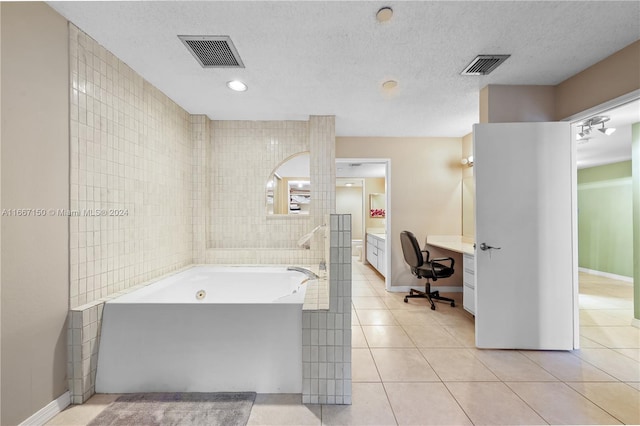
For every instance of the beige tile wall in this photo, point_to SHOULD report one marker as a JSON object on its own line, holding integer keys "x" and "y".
{"x": 201, "y": 152}
{"x": 243, "y": 155}
{"x": 131, "y": 171}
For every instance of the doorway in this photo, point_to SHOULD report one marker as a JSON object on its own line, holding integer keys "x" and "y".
{"x": 362, "y": 190}
{"x": 605, "y": 210}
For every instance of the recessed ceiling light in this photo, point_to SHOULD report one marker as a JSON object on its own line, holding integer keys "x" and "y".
{"x": 389, "y": 84}
{"x": 384, "y": 14}
{"x": 348, "y": 184}
{"x": 236, "y": 85}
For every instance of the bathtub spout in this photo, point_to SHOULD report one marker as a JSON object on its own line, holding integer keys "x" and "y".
{"x": 305, "y": 271}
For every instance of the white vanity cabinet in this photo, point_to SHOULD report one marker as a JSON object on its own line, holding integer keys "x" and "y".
{"x": 376, "y": 255}
{"x": 469, "y": 283}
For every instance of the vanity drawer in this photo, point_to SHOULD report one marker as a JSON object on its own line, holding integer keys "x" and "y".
{"x": 372, "y": 253}
{"x": 469, "y": 278}
{"x": 469, "y": 283}
{"x": 469, "y": 299}
{"x": 468, "y": 269}
{"x": 468, "y": 262}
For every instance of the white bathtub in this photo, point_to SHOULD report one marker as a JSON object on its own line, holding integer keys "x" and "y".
{"x": 243, "y": 333}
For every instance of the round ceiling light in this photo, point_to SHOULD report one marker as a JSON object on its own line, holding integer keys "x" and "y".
{"x": 236, "y": 85}
{"x": 384, "y": 14}
{"x": 389, "y": 85}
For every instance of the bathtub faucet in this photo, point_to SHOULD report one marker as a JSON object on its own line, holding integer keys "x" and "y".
{"x": 305, "y": 241}
{"x": 305, "y": 271}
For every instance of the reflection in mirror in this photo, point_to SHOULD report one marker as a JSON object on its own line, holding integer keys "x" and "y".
{"x": 377, "y": 205}
{"x": 289, "y": 187}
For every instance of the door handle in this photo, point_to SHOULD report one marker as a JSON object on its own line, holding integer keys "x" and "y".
{"x": 485, "y": 247}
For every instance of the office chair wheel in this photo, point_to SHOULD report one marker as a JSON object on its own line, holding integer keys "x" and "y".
{"x": 405, "y": 300}
{"x": 453, "y": 304}
{"x": 433, "y": 307}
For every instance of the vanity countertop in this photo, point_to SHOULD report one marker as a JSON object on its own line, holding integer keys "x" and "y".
{"x": 456, "y": 243}
{"x": 383, "y": 237}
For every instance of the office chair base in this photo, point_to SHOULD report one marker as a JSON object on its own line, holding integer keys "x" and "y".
{"x": 430, "y": 296}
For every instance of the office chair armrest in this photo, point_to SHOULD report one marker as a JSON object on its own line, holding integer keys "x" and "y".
{"x": 443, "y": 259}
{"x": 439, "y": 259}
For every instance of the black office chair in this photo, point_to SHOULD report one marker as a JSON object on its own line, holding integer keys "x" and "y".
{"x": 421, "y": 268}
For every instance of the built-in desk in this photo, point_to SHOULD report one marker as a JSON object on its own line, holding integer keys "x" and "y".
{"x": 456, "y": 243}
{"x": 460, "y": 244}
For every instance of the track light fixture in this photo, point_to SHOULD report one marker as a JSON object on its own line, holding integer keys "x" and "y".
{"x": 607, "y": 130}
{"x": 583, "y": 134}
{"x": 586, "y": 127}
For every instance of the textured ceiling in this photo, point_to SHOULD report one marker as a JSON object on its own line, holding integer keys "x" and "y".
{"x": 313, "y": 58}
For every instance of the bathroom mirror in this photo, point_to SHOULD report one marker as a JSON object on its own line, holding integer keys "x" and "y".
{"x": 288, "y": 188}
{"x": 377, "y": 205}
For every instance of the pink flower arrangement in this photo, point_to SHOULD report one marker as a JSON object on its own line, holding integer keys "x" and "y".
{"x": 377, "y": 213}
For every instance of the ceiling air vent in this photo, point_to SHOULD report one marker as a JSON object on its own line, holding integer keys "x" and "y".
{"x": 213, "y": 51}
{"x": 484, "y": 64}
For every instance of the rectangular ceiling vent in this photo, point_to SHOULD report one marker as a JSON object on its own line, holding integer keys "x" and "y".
{"x": 484, "y": 64}
{"x": 213, "y": 51}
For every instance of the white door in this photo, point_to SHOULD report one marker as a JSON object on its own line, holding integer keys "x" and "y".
{"x": 525, "y": 239}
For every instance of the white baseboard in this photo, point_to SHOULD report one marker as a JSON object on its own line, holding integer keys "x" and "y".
{"x": 441, "y": 289}
{"x": 635, "y": 322}
{"x": 607, "y": 275}
{"x": 49, "y": 411}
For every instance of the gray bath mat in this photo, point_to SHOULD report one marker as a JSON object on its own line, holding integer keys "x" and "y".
{"x": 173, "y": 409}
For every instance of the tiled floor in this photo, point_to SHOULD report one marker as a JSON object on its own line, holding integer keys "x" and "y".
{"x": 415, "y": 366}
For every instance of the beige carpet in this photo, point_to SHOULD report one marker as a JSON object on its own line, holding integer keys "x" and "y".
{"x": 173, "y": 409}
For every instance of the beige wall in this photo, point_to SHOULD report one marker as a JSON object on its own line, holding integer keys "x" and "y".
{"x": 608, "y": 79}
{"x": 468, "y": 191}
{"x": 349, "y": 201}
{"x": 513, "y": 104}
{"x": 35, "y": 174}
{"x": 425, "y": 192}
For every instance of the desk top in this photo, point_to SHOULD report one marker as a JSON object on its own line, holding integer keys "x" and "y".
{"x": 456, "y": 243}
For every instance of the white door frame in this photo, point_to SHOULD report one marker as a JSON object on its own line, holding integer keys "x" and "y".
{"x": 387, "y": 190}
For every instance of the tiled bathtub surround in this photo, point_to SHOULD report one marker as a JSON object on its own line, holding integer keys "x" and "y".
{"x": 154, "y": 189}
{"x": 326, "y": 335}
{"x": 201, "y": 151}
{"x": 83, "y": 350}
{"x": 131, "y": 158}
